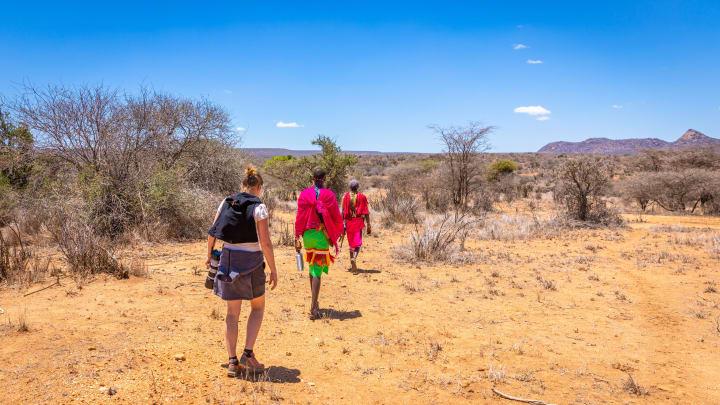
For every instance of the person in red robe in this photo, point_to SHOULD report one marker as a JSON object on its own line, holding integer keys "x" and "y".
{"x": 318, "y": 227}
{"x": 356, "y": 214}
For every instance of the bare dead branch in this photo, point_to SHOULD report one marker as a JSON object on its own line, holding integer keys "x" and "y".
{"x": 518, "y": 399}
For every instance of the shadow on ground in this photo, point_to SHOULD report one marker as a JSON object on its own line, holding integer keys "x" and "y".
{"x": 276, "y": 374}
{"x": 364, "y": 271}
{"x": 329, "y": 313}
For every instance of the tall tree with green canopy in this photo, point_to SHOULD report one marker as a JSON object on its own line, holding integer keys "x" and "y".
{"x": 335, "y": 163}
{"x": 296, "y": 173}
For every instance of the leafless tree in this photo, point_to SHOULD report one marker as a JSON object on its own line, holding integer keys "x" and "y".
{"x": 99, "y": 129}
{"x": 581, "y": 183}
{"x": 120, "y": 145}
{"x": 462, "y": 147}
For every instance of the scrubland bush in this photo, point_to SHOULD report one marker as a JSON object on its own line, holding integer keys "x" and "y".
{"x": 508, "y": 227}
{"x": 85, "y": 251}
{"x": 714, "y": 247}
{"x": 675, "y": 191}
{"x": 483, "y": 201}
{"x": 439, "y": 239}
{"x": 521, "y": 227}
{"x": 19, "y": 263}
{"x": 133, "y": 160}
{"x": 581, "y": 184}
{"x": 501, "y": 167}
{"x": 397, "y": 206}
{"x": 294, "y": 174}
{"x": 14, "y": 256}
{"x": 427, "y": 178}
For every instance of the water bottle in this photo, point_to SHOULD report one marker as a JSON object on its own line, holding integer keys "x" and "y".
{"x": 299, "y": 261}
{"x": 212, "y": 271}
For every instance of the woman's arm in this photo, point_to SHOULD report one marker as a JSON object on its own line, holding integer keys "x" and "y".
{"x": 267, "y": 248}
{"x": 212, "y": 239}
{"x": 210, "y": 247}
{"x": 367, "y": 222}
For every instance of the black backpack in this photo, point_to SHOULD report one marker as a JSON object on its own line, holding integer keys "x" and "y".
{"x": 236, "y": 222}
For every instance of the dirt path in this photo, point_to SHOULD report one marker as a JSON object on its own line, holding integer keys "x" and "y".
{"x": 609, "y": 302}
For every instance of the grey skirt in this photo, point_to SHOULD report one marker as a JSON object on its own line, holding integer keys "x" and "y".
{"x": 240, "y": 276}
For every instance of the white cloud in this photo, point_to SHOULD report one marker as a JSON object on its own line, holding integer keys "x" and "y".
{"x": 539, "y": 112}
{"x": 518, "y": 47}
{"x": 226, "y": 91}
{"x": 534, "y": 62}
{"x": 617, "y": 106}
{"x": 240, "y": 129}
{"x": 281, "y": 124}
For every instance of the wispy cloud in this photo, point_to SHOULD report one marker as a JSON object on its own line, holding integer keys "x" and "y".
{"x": 534, "y": 62}
{"x": 281, "y": 124}
{"x": 240, "y": 129}
{"x": 617, "y": 106}
{"x": 227, "y": 91}
{"x": 539, "y": 112}
{"x": 518, "y": 47}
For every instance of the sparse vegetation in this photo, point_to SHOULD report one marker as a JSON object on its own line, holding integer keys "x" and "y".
{"x": 398, "y": 206}
{"x": 582, "y": 183}
{"x": 439, "y": 239}
{"x": 462, "y": 148}
{"x": 632, "y": 387}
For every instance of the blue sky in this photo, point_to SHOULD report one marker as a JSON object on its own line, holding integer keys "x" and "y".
{"x": 374, "y": 75}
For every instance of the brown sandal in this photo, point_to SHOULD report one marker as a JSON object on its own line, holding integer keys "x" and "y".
{"x": 250, "y": 364}
{"x": 233, "y": 368}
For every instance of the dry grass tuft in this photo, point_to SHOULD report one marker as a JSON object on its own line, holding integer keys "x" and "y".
{"x": 496, "y": 373}
{"x": 546, "y": 284}
{"x": 632, "y": 387}
{"x": 14, "y": 256}
{"x": 22, "y": 325}
{"x": 285, "y": 235}
{"x": 433, "y": 350}
{"x": 138, "y": 268}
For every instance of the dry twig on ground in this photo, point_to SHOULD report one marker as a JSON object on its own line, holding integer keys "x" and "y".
{"x": 518, "y": 399}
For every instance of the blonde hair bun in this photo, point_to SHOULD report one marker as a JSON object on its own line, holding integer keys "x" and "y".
{"x": 252, "y": 177}
{"x": 250, "y": 170}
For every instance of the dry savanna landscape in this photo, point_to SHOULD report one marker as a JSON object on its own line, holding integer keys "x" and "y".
{"x": 488, "y": 278}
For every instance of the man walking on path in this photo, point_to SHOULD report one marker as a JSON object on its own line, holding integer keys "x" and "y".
{"x": 355, "y": 214}
{"x": 319, "y": 224}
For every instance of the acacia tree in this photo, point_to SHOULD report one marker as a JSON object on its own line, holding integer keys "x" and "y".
{"x": 335, "y": 163}
{"x": 581, "y": 184}
{"x": 296, "y": 174}
{"x": 462, "y": 148}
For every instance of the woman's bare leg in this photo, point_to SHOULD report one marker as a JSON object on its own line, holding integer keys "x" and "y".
{"x": 257, "y": 310}
{"x": 231, "y": 326}
{"x": 315, "y": 289}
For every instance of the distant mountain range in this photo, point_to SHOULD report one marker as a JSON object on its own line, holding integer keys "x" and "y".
{"x": 690, "y": 139}
{"x": 265, "y": 153}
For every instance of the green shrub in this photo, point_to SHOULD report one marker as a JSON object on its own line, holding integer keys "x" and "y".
{"x": 501, "y": 167}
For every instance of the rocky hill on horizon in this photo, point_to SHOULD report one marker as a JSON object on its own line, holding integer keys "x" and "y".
{"x": 690, "y": 139}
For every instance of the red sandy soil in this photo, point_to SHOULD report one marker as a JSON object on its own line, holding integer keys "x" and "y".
{"x": 636, "y": 301}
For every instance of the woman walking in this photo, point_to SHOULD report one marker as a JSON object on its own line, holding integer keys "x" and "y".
{"x": 355, "y": 214}
{"x": 241, "y": 223}
{"x": 319, "y": 224}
